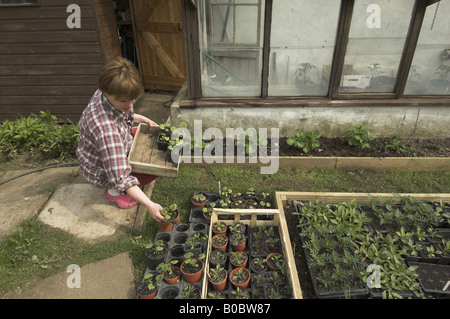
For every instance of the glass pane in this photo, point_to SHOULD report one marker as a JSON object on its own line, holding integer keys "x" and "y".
{"x": 246, "y": 19}
{"x": 231, "y": 47}
{"x": 376, "y": 41}
{"x": 302, "y": 46}
{"x": 222, "y": 24}
{"x": 429, "y": 73}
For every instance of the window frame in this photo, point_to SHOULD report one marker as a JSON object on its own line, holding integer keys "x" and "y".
{"x": 334, "y": 96}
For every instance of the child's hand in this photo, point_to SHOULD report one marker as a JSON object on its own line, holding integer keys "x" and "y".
{"x": 155, "y": 210}
{"x": 142, "y": 119}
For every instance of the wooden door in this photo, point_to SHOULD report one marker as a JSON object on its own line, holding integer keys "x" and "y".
{"x": 158, "y": 29}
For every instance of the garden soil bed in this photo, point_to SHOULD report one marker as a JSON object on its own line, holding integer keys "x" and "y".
{"x": 338, "y": 147}
{"x": 299, "y": 255}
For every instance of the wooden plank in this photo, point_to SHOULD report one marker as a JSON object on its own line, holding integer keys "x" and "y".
{"x": 162, "y": 55}
{"x": 360, "y": 198}
{"x": 49, "y": 80}
{"x": 46, "y": 100}
{"x": 46, "y": 59}
{"x": 166, "y": 57}
{"x": 49, "y": 48}
{"x": 41, "y": 11}
{"x": 78, "y": 35}
{"x": 22, "y": 90}
{"x": 161, "y": 27}
{"x": 52, "y": 70}
{"x": 145, "y": 157}
{"x": 43, "y": 25}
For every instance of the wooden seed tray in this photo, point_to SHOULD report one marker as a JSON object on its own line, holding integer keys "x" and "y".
{"x": 145, "y": 157}
{"x": 334, "y": 198}
{"x": 277, "y": 220}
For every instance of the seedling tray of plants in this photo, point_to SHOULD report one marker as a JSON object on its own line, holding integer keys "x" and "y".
{"x": 170, "y": 249}
{"x": 266, "y": 244}
{"x": 350, "y": 238}
{"x": 434, "y": 278}
{"x": 145, "y": 156}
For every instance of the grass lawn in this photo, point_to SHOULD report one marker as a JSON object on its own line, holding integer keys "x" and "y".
{"x": 36, "y": 250}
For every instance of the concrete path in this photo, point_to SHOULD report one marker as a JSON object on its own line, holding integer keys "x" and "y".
{"x": 111, "y": 278}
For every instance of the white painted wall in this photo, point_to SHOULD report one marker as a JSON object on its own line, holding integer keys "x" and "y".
{"x": 402, "y": 121}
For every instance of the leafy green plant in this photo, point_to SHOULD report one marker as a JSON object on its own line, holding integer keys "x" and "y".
{"x": 305, "y": 141}
{"x": 197, "y": 239}
{"x": 41, "y": 134}
{"x": 167, "y": 268}
{"x": 189, "y": 260}
{"x": 170, "y": 212}
{"x": 239, "y": 294}
{"x": 199, "y": 198}
{"x": 396, "y": 145}
{"x": 152, "y": 281}
{"x": 359, "y": 136}
{"x": 215, "y": 273}
{"x": 250, "y": 141}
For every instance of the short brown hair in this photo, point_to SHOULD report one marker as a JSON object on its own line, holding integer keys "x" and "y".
{"x": 120, "y": 78}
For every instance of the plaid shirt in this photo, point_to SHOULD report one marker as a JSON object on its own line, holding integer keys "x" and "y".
{"x": 105, "y": 140}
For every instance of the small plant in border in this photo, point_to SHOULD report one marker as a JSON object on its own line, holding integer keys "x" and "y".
{"x": 306, "y": 141}
{"x": 359, "y": 136}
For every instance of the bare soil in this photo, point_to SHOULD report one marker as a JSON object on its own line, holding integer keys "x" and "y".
{"x": 339, "y": 147}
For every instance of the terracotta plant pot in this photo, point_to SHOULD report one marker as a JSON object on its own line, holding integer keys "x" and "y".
{"x": 165, "y": 227}
{"x": 241, "y": 285}
{"x": 236, "y": 265}
{"x": 217, "y": 232}
{"x": 219, "y": 285}
{"x": 192, "y": 278}
{"x": 238, "y": 246}
{"x": 196, "y": 204}
{"x": 215, "y": 245}
{"x": 176, "y": 220}
{"x": 271, "y": 266}
{"x": 174, "y": 280}
{"x": 207, "y": 217}
{"x": 151, "y": 296}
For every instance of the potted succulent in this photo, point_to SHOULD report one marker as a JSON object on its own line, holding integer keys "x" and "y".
{"x": 148, "y": 288}
{"x": 192, "y": 268}
{"x": 240, "y": 277}
{"x": 238, "y": 259}
{"x": 219, "y": 242}
{"x": 198, "y": 200}
{"x": 171, "y": 273}
{"x": 218, "y": 277}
